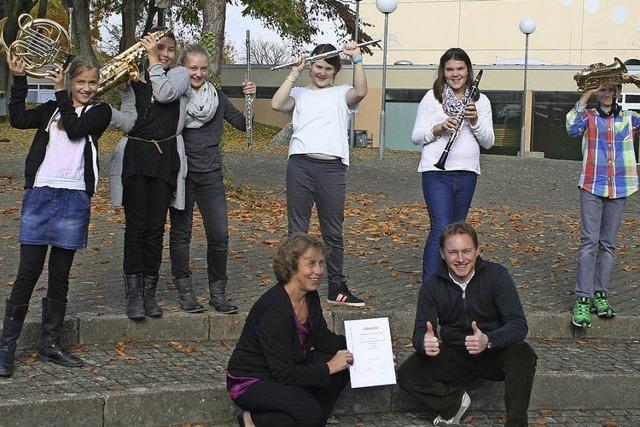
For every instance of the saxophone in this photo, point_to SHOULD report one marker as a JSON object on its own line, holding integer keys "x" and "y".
{"x": 596, "y": 75}
{"x": 124, "y": 66}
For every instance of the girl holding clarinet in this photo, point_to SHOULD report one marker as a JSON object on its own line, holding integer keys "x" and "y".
{"x": 448, "y": 193}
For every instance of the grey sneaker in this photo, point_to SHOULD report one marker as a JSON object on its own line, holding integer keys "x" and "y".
{"x": 455, "y": 420}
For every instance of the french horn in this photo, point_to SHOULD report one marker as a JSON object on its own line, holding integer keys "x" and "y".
{"x": 39, "y": 42}
{"x": 596, "y": 75}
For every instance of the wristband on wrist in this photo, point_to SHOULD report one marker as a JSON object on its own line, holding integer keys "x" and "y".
{"x": 292, "y": 78}
{"x": 356, "y": 59}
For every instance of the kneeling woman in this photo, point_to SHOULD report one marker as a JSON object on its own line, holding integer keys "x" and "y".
{"x": 288, "y": 368}
{"x": 61, "y": 175}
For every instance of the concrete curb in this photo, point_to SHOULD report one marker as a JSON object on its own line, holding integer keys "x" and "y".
{"x": 211, "y": 404}
{"x": 86, "y": 328}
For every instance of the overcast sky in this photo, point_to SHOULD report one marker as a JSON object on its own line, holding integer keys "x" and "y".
{"x": 237, "y": 25}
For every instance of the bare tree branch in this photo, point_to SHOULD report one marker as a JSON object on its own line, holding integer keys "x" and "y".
{"x": 268, "y": 52}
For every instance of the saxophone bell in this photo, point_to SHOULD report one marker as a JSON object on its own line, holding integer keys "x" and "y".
{"x": 599, "y": 74}
{"x": 125, "y": 66}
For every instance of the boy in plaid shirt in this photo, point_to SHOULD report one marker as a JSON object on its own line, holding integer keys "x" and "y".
{"x": 608, "y": 177}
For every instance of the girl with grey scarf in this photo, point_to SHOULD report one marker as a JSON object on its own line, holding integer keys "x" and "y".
{"x": 206, "y": 109}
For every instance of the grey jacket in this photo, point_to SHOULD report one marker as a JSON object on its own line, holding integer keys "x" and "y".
{"x": 167, "y": 87}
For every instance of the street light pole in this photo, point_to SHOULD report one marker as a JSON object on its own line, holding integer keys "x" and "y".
{"x": 527, "y": 26}
{"x": 356, "y": 34}
{"x": 386, "y": 7}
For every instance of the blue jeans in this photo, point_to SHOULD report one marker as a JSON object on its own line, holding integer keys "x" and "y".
{"x": 448, "y": 196}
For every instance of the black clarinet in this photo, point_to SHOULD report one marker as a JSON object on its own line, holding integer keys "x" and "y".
{"x": 459, "y": 118}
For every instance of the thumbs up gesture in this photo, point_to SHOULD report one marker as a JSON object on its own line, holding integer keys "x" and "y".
{"x": 477, "y": 342}
{"x": 431, "y": 343}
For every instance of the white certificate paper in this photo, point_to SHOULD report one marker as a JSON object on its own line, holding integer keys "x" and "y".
{"x": 370, "y": 342}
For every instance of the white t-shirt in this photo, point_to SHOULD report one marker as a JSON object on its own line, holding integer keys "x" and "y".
{"x": 63, "y": 164}
{"x": 465, "y": 150}
{"x": 321, "y": 121}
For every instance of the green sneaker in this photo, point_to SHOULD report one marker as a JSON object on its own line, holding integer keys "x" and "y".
{"x": 581, "y": 314}
{"x": 600, "y": 305}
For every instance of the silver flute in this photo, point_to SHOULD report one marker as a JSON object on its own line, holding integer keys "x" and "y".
{"x": 248, "y": 98}
{"x": 324, "y": 55}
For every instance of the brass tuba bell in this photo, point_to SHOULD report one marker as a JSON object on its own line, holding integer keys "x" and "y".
{"x": 39, "y": 42}
{"x": 596, "y": 75}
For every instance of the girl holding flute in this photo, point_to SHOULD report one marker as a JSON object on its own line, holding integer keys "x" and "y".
{"x": 448, "y": 193}
{"x": 319, "y": 154}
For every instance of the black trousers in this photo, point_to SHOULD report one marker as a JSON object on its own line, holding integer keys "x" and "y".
{"x": 323, "y": 183}
{"x": 436, "y": 381}
{"x": 146, "y": 202}
{"x": 207, "y": 190}
{"x": 31, "y": 263}
{"x": 277, "y": 405}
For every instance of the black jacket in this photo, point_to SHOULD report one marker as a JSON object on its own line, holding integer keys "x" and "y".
{"x": 490, "y": 299}
{"x": 90, "y": 125}
{"x": 269, "y": 347}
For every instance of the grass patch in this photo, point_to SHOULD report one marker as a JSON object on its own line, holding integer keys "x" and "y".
{"x": 233, "y": 140}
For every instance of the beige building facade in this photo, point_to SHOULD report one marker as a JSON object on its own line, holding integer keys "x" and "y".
{"x": 569, "y": 34}
{"x": 568, "y": 31}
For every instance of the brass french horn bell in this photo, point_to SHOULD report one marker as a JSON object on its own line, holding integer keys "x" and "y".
{"x": 39, "y": 42}
{"x": 596, "y": 75}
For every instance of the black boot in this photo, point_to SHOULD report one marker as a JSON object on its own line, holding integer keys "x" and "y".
{"x": 149, "y": 285}
{"x": 186, "y": 299}
{"x": 217, "y": 298}
{"x": 13, "y": 320}
{"x": 133, "y": 296}
{"x": 51, "y": 348}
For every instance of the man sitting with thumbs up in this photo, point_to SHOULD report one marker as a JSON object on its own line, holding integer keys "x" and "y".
{"x": 481, "y": 333}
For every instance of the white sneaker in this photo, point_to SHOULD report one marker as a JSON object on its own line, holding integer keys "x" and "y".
{"x": 455, "y": 420}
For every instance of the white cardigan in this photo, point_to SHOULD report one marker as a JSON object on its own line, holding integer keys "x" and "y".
{"x": 465, "y": 152}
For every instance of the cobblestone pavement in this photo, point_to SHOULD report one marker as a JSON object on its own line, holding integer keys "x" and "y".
{"x": 581, "y": 418}
{"x": 525, "y": 210}
{"x": 135, "y": 367}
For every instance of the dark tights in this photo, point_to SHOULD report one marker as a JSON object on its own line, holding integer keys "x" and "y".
{"x": 31, "y": 263}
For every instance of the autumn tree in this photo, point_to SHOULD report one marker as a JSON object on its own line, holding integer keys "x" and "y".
{"x": 295, "y": 19}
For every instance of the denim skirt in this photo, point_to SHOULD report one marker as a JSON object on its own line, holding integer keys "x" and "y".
{"x": 56, "y": 217}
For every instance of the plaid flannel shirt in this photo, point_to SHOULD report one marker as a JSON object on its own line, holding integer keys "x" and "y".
{"x": 608, "y": 159}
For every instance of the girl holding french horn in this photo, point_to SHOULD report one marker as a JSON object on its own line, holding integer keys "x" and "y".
{"x": 61, "y": 175}
{"x": 448, "y": 193}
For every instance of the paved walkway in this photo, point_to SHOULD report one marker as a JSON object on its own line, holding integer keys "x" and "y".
{"x": 121, "y": 374}
{"x": 527, "y": 213}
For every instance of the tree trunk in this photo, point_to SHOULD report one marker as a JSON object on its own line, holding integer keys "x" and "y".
{"x": 82, "y": 29}
{"x": 213, "y": 21}
{"x": 42, "y": 9}
{"x": 152, "y": 10}
{"x": 129, "y": 19}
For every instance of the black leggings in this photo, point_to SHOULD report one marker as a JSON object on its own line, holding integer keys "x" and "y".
{"x": 146, "y": 202}
{"x": 31, "y": 263}
{"x": 279, "y": 405}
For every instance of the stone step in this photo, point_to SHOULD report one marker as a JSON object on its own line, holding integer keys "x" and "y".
{"x": 167, "y": 383}
{"x": 87, "y": 328}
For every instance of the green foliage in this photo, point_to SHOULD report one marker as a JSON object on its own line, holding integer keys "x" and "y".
{"x": 299, "y": 19}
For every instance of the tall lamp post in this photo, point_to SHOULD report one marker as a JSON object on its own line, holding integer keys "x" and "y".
{"x": 352, "y": 119}
{"x": 386, "y": 7}
{"x": 527, "y": 26}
